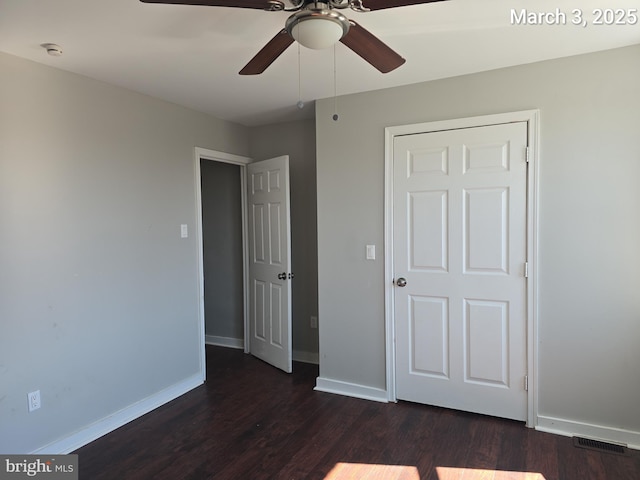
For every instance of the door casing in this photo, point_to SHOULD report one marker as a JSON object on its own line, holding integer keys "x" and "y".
{"x": 242, "y": 162}
{"x": 532, "y": 119}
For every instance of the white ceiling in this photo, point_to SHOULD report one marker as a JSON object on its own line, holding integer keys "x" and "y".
{"x": 190, "y": 55}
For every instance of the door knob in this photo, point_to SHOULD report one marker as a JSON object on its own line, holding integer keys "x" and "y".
{"x": 282, "y": 276}
{"x": 401, "y": 282}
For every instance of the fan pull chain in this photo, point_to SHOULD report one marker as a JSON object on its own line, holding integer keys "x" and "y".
{"x": 335, "y": 87}
{"x": 300, "y": 103}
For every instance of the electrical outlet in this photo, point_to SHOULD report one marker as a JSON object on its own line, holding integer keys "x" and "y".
{"x": 314, "y": 322}
{"x": 34, "y": 400}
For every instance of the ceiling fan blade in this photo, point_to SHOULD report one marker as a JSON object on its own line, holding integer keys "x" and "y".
{"x": 371, "y": 48}
{"x": 265, "y": 57}
{"x": 380, "y": 4}
{"x": 257, "y": 4}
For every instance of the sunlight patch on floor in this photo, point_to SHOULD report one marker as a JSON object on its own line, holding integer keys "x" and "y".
{"x": 363, "y": 471}
{"x": 453, "y": 473}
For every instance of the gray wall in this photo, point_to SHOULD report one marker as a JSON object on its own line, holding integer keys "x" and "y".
{"x": 589, "y": 230}
{"x": 222, "y": 249}
{"x": 98, "y": 292}
{"x": 297, "y": 139}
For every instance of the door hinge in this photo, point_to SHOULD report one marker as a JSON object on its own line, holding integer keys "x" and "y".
{"x": 526, "y": 154}
{"x": 526, "y": 269}
{"x": 526, "y": 383}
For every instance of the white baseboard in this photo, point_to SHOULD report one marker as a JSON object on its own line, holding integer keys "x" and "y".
{"x": 306, "y": 357}
{"x": 351, "y": 389}
{"x": 108, "y": 424}
{"x": 572, "y": 428}
{"x": 224, "y": 341}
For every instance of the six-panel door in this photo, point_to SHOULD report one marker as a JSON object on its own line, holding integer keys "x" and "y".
{"x": 460, "y": 243}
{"x": 270, "y": 261}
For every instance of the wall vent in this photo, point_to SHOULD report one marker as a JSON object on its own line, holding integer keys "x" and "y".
{"x": 599, "y": 446}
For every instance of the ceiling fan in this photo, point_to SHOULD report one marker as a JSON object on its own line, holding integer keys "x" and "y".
{"x": 316, "y": 24}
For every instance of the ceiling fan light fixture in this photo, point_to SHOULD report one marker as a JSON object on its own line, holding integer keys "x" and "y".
{"x": 317, "y": 29}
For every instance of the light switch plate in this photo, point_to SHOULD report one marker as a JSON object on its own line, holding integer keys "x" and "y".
{"x": 184, "y": 231}
{"x": 371, "y": 252}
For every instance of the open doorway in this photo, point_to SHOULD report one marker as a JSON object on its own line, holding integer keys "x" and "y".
{"x": 304, "y": 330}
{"x": 222, "y": 253}
{"x": 228, "y": 213}
{"x": 225, "y": 227}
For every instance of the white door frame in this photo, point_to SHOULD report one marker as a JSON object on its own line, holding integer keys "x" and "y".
{"x": 532, "y": 118}
{"x": 242, "y": 162}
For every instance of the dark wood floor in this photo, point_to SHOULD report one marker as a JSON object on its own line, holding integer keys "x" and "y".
{"x": 251, "y": 421}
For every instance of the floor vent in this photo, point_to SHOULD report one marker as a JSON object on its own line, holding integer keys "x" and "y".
{"x": 599, "y": 446}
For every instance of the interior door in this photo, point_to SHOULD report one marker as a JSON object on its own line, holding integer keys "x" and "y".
{"x": 459, "y": 265}
{"x": 270, "y": 261}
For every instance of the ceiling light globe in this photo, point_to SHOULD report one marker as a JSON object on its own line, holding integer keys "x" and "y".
{"x": 317, "y": 33}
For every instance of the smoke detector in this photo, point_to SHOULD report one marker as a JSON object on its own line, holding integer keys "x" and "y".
{"x": 52, "y": 49}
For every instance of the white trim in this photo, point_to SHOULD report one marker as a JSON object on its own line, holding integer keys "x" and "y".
{"x": 224, "y": 341}
{"x": 350, "y": 389}
{"x": 242, "y": 162}
{"x": 532, "y": 259}
{"x": 306, "y": 357}
{"x": 221, "y": 156}
{"x": 122, "y": 417}
{"x": 572, "y": 428}
{"x": 532, "y": 119}
{"x": 389, "y": 322}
